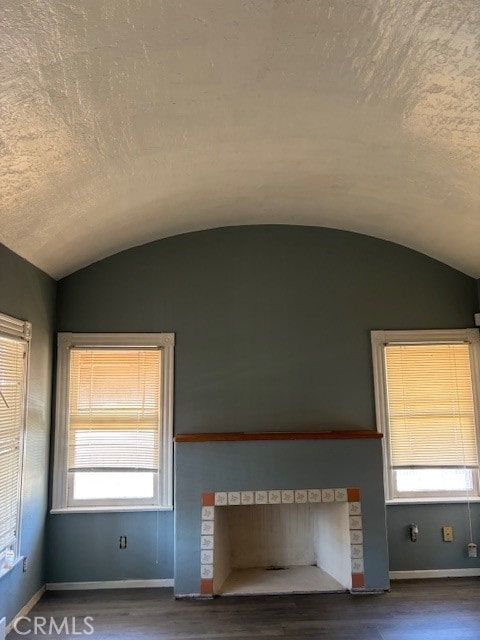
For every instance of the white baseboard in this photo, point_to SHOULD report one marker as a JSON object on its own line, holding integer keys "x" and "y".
{"x": 433, "y": 573}
{"x": 108, "y": 584}
{"x": 24, "y": 610}
{"x": 2, "y": 628}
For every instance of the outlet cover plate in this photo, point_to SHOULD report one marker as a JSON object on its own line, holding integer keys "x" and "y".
{"x": 447, "y": 532}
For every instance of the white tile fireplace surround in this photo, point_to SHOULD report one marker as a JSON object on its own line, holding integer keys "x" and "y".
{"x": 281, "y": 541}
{"x": 279, "y": 513}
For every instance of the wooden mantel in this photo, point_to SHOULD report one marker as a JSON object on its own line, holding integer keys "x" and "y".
{"x": 242, "y": 436}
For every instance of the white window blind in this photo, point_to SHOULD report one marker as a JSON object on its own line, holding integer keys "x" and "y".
{"x": 114, "y": 424}
{"x": 13, "y": 367}
{"x": 431, "y": 411}
{"x": 114, "y": 410}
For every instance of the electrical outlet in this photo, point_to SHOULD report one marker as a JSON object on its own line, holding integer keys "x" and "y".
{"x": 447, "y": 532}
{"x": 122, "y": 542}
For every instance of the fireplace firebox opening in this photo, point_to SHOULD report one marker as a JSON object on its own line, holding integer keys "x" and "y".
{"x": 281, "y": 541}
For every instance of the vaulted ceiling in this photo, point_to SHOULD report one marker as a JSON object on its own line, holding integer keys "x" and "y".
{"x": 124, "y": 121}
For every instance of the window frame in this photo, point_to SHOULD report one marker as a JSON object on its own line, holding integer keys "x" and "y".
{"x": 60, "y": 488}
{"x": 20, "y": 330}
{"x": 447, "y": 336}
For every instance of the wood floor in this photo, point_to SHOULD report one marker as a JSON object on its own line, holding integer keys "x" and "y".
{"x": 414, "y": 610}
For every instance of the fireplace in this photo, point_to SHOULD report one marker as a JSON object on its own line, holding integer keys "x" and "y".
{"x": 250, "y": 518}
{"x": 288, "y": 541}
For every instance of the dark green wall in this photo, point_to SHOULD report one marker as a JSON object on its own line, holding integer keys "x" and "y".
{"x": 272, "y": 323}
{"x": 430, "y": 552}
{"x": 27, "y": 293}
{"x": 272, "y": 331}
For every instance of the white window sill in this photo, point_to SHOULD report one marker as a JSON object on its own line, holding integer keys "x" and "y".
{"x": 4, "y": 572}
{"x": 438, "y": 500}
{"x": 109, "y": 509}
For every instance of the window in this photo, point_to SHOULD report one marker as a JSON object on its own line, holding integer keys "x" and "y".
{"x": 113, "y": 442}
{"x": 14, "y": 343}
{"x": 426, "y": 388}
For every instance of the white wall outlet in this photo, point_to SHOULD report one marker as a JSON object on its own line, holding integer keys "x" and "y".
{"x": 472, "y": 550}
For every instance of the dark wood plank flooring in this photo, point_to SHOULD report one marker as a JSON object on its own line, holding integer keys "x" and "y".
{"x": 414, "y": 610}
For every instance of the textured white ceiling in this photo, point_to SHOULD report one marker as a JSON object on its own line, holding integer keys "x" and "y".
{"x": 123, "y": 121}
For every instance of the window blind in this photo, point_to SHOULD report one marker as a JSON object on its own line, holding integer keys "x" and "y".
{"x": 12, "y": 392}
{"x": 430, "y": 406}
{"x": 114, "y": 410}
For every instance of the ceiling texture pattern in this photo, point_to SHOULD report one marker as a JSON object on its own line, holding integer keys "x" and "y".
{"x": 125, "y": 121}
